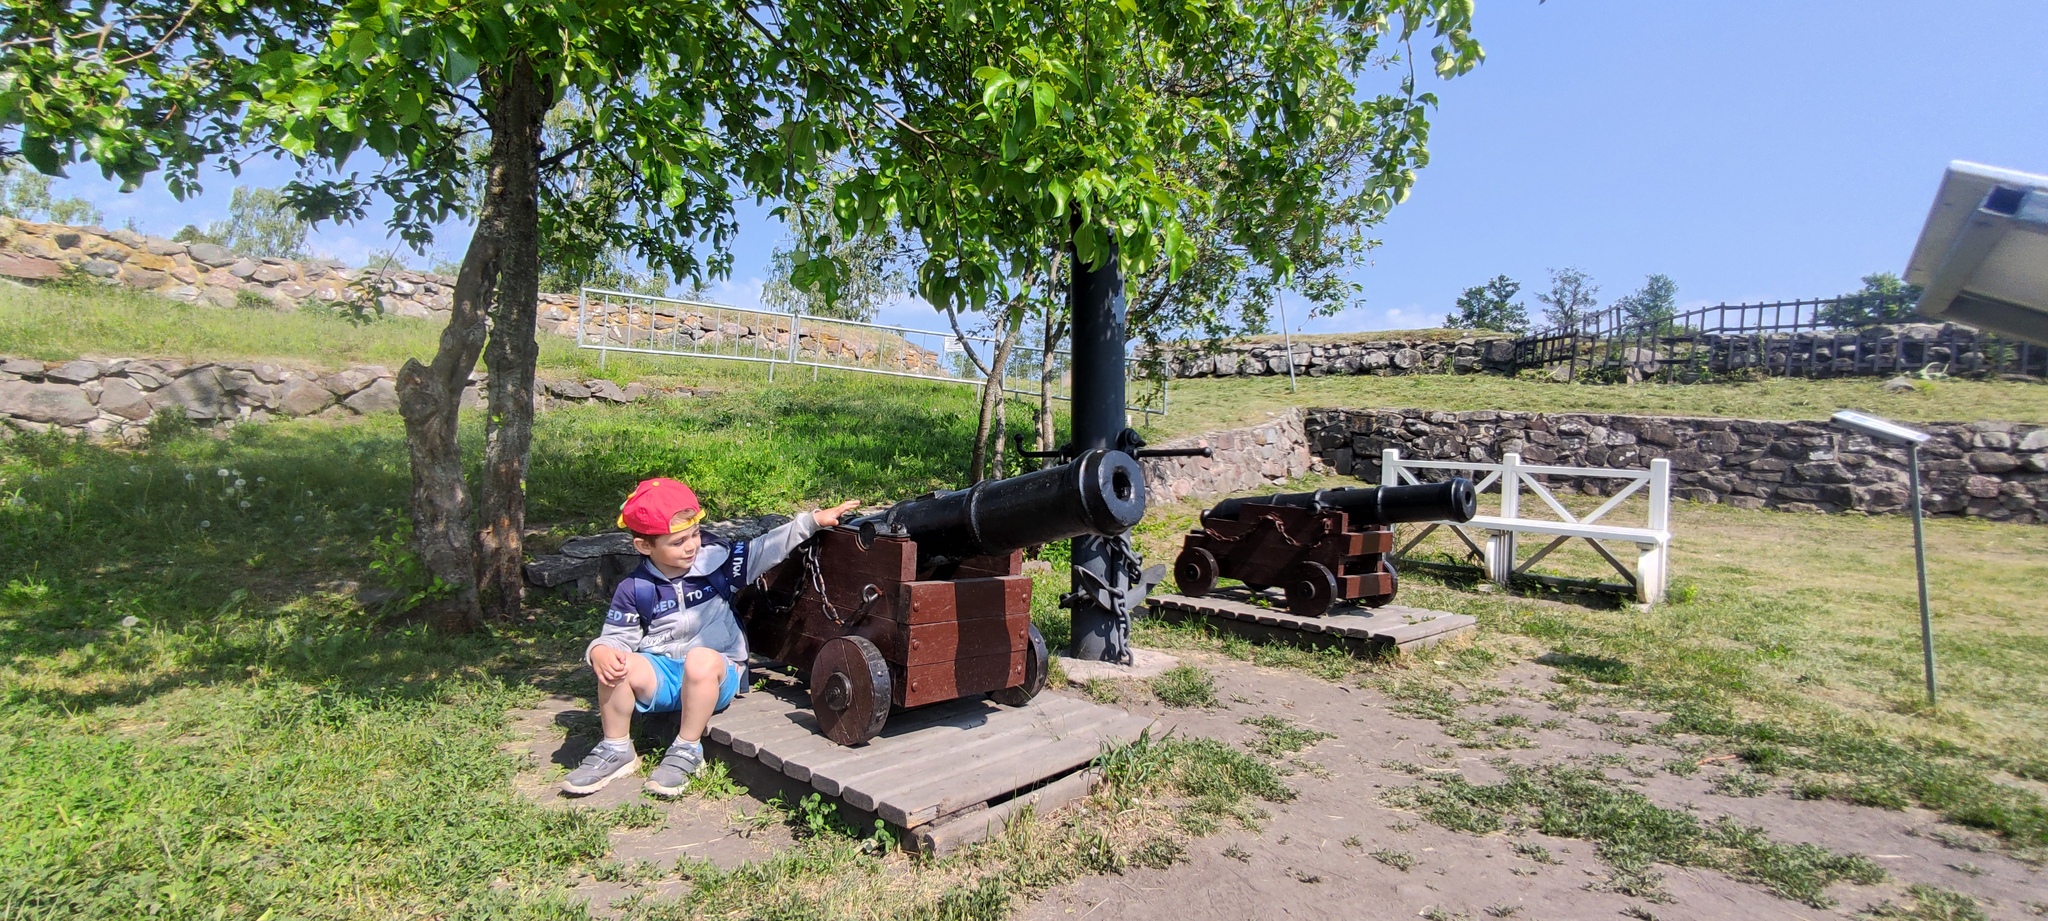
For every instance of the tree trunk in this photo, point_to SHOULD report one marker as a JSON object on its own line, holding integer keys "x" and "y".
{"x": 520, "y": 103}
{"x": 430, "y": 396}
{"x": 1055, "y": 329}
{"x": 992, "y": 397}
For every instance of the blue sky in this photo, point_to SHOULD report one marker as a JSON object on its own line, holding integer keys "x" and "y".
{"x": 1750, "y": 150}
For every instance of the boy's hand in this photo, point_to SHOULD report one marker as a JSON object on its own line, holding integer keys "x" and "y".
{"x": 829, "y": 517}
{"x": 609, "y": 665}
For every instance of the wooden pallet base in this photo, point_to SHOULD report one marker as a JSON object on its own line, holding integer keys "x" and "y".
{"x": 941, "y": 776}
{"x": 1392, "y": 628}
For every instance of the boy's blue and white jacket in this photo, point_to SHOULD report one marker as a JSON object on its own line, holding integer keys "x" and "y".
{"x": 653, "y": 614}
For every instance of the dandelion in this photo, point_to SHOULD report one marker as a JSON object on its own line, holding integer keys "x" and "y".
{"x": 222, "y": 473}
{"x": 239, "y": 482}
{"x": 130, "y": 621}
{"x": 203, "y": 525}
{"x": 189, "y": 477}
{"x": 259, "y": 479}
{"x": 298, "y": 519}
{"x": 236, "y": 472}
{"x": 134, "y": 468}
{"x": 245, "y": 503}
{"x": 309, "y": 494}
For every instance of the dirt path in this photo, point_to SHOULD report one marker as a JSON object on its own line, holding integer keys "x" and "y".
{"x": 1315, "y": 856}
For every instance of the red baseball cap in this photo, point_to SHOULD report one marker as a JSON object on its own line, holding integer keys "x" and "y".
{"x": 660, "y": 506}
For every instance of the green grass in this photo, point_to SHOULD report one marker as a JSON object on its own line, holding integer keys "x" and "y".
{"x": 1209, "y": 404}
{"x": 1185, "y": 686}
{"x": 1929, "y": 903}
{"x": 1278, "y": 737}
{"x": 1630, "y": 833}
{"x": 194, "y": 715}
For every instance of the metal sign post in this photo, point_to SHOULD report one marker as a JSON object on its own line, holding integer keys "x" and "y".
{"x": 1912, "y": 439}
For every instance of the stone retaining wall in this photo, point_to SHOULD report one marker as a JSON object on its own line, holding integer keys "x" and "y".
{"x": 111, "y": 398}
{"x": 1994, "y": 470}
{"x": 210, "y": 274}
{"x": 1254, "y": 457}
{"x": 1365, "y": 355}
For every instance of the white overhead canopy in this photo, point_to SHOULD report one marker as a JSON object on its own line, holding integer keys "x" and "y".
{"x": 1983, "y": 253}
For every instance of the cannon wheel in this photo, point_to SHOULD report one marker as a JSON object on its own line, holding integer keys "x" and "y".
{"x": 1374, "y": 601}
{"x": 1195, "y": 572}
{"x": 1036, "y": 663}
{"x": 850, "y": 689}
{"x": 1310, "y": 589}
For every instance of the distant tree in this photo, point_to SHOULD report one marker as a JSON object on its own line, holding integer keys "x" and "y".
{"x": 1490, "y": 306}
{"x": 1654, "y": 303}
{"x": 860, "y": 272}
{"x": 261, "y": 223}
{"x": 190, "y": 233}
{"x": 25, "y": 194}
{"x": 1571, "y": 298}
{"x": 1884, "y": 298}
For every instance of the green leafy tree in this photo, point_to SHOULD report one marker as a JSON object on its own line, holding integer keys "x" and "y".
{"x": 680, "y": 100}
{"x": 1884, "y": 298}
{"x": 1571, "y": 300}
{"x": 1490, "y": 306}
{"x": 997, "y": 133}
{"x": 25, "y": 195}
{"x": 1653, "y": 304}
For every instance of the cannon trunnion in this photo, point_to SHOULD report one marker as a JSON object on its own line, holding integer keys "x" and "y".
{"x": 1320, "y": 547}
{"x": 928, "y": 602}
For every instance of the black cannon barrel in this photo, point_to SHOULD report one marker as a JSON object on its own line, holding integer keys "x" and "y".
{"x": 1100, "y": 492}
{"x": 1451, "y": 500}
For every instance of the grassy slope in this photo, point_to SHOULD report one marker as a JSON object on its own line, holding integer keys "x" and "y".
{"x": 1225, "y": 402}
{"x": 54, "y": 325}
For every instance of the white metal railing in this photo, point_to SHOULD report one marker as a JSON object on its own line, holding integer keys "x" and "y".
{"x": 1511, "y": 477}
{"x": 622, "y": 321}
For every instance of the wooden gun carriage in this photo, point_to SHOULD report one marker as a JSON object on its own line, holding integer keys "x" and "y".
{"x": 1320, "y": 547}
{"x": 927, "y": 602}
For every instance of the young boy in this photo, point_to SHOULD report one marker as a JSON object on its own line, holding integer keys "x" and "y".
{"x": 670, "y": 639}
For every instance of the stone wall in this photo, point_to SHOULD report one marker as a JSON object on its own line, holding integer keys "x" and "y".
{"x": 676, "y": 326}
{"x": 116, "y": 398}
{"x": 1254, "y": 457}
{"x": 206, "y": 273}
{"x": 1365, "y": 355}
{"x": 1994, "y": 470}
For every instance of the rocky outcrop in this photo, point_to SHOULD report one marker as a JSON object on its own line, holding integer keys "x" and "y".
{"x": 116, "y": 398}
{"x": 1365, "y": 355}
{"x": 1993, "y": 470}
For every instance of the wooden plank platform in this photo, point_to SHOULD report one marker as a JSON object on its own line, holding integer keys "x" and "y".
{"x": 1389, "y": 628}
{"x": 946, "y": 774}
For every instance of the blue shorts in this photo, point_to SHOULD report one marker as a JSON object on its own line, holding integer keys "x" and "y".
{"x": 668, "y": 685}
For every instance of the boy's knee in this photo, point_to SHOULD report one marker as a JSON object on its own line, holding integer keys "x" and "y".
{"x": 703, "y": 665}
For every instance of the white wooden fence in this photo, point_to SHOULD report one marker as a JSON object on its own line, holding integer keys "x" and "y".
{"x": 1511, "y": 477}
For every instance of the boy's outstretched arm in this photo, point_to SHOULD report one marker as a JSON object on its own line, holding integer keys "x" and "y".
{"x": 774, "y": 546}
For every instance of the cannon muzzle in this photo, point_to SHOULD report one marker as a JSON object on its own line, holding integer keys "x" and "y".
{"x": 1451, "y": 500}
{"x": 1100, "y": 492}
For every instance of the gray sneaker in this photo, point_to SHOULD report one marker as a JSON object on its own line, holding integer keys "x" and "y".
{"x": 604, "y": 765}
{"x": 672, "y": 776}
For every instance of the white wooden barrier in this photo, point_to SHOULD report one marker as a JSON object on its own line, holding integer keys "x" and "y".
{"x": 1510, "y": 477}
